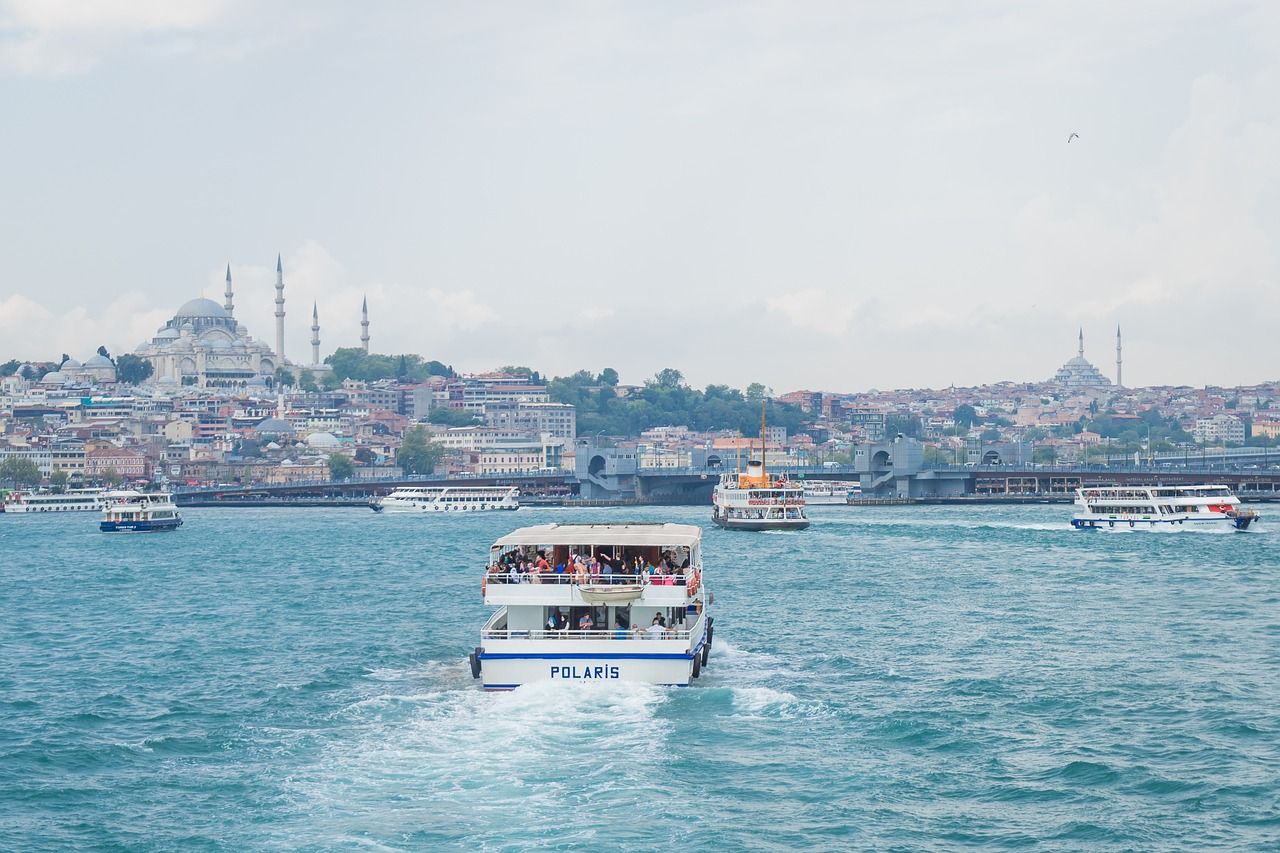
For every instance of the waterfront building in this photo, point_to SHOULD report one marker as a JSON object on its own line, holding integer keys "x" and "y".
{"x": 558, "y": 419}
{"x": 1220, "y": 429}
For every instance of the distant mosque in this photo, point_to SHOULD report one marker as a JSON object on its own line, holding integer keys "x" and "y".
{"x": 1080, "y": 373}
{"x": 205, "y": 346}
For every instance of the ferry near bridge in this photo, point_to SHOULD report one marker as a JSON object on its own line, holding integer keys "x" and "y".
{"x": 595, "y": 602}
{"x": 1160, "y": 507}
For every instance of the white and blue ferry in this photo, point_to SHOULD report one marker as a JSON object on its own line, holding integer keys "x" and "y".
{"x": 595, "y": 602}
{"x": 140, "y": 512}
{"x": 1160, "y": 507}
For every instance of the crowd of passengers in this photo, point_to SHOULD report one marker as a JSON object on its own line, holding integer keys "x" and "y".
{"x": 599, "y": 568}
{"x": 658, "y": 629}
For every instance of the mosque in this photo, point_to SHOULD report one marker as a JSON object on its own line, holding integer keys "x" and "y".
{"x": 1080, "y": 373}
{"x": 205, "y": 346}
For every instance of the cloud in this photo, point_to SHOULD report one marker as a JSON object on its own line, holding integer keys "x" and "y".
{"x": 35, "y": 332}
{"x": 813, "y": 310}
{"x": 56, "y": 37}
{"x": 459, "y": 309}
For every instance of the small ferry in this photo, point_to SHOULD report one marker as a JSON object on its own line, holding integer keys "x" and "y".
{"x": 140, "y": 512}
{"x": 753, "y": 500}
{"x": 448, "y": 499}
{"x": 828, "y": 493}
{"x": 595, "y": 602}
{"x": 72, "y": 500}
{"x": 1155, "y": 507}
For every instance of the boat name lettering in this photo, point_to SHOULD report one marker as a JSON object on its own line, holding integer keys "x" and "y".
{"x": 585, "y": 672}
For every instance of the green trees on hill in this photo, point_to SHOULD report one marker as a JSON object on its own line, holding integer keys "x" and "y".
{"x": 19, "y": 471}
{"x": 355, "y": 363}
{"x": 132, "y": 370}
{"x": 665, "y": 400}
{"x": 340, "y": 467}
{"x": 418, "y": 454}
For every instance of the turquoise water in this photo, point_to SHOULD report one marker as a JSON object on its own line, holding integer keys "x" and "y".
{"x": 894, "y": 678}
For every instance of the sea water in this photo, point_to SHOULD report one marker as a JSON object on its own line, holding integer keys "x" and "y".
{"x": 893, "y": 678}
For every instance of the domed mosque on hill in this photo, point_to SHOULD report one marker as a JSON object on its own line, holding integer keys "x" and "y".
{"x": 204, "y": 345}
{"x": 1080, "y": 373}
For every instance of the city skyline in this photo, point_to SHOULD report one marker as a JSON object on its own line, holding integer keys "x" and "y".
{"x": 584, "y": 187}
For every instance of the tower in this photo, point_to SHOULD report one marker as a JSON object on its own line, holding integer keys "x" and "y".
{"x": 1119, "y": 375}
{"x": 1081, "y": 352}
{"x": 364, "y": 324}
{"x": 228, "y": 304}
{"x": 315, "y": 334}
{"x": 279, "y": 311}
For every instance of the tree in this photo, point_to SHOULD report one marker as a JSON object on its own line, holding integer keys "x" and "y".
{"x": 340, "y": 467}
{"x": 133, "y": 370}
{"x": 1045, "y": 455}
{"x": 451, "y": 417}
{"x": 307, "y": 382}
{"x": 365, "y": 456}
{"x": 965, "y": 415}
{"x": 418, "y": 454}
{"x": 112, "y": 477}
{"x": 64, "y": 360}
{"x": 58, "y": 479}
{"x": 991, "y": 435}
{"x": 10, "y": 367}
{"x": 284, "y": 377}
{"x": 669, "y": 377}
{"x": 20, "y": 471}
{"x": 906, "y": 424}
{"x": 756, "y": 392}
{"x": 608, "y": 376}
{"x": 102, "y": 351}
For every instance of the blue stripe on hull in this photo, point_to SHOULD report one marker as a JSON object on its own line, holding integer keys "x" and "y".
{"x": 586, "y": 656}
{"x": 139, "y": 526}
{"x": 514, "y": 686}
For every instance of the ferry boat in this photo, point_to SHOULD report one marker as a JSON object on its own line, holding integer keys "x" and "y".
{"x": 1153, "y": 507}
{"x": 753, "y": 500}
{"x": 448, "y": 499}
{"x": 827, "y": 493}
{"x": 595, "y": 602}
{"x": 139, "y": 511}
{"x": 72, "y": 500}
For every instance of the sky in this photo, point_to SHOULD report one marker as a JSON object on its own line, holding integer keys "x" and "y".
{"x": 818, "y": 195}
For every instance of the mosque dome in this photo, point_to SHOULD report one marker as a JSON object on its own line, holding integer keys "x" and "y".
{"x": 275, "y": 426}
{"x": 322, "y": 440}
{"x": 70, "y": 364}
{"x": 54, "y": 377}
{"x": 99, "y": 361}
{"x": 202, "y": 308}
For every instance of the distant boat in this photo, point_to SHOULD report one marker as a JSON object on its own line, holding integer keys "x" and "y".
{"x": 829, "y": 493}
{"x": 1160, "y": 507}
{"x": 421, "y": 499}
{"x": 139, "y": 512}
{"x": 754, "y": 500}
{"x": 72, "y": 500}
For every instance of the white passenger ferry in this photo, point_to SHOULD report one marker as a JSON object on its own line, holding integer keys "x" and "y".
{"x": 1154, "y": 507}
{"x": 829, "y": 493}
{"x": 139, "y": 512}
{"x": 448, "y": 499}
{"x": 595, "y": 602}
{"x": 72, "y": 500}
{"x": 752, "y": 500}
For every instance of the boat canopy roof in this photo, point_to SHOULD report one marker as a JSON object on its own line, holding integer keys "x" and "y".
{"x": 603, "y": 534}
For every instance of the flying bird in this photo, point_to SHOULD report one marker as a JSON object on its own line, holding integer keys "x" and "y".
{"x": 1073, "y": 135}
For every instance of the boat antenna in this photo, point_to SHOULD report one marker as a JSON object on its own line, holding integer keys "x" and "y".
{"x": 764, "y": 473}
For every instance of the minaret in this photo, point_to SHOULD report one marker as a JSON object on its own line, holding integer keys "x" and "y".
{"x": 364, "y": 323}
{"x": 279, "y": 311}
{"x": 1119, "y": 375}
{"x": 1081, "y": 353}
{"x": 229, "y": 305}
{"x": 315, "y": 334}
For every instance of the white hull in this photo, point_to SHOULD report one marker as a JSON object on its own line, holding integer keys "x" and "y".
{"x": 508, "y": 673}
{"x": 26, "y": 507}
{"x": 1185, "y": 522}
{"x": 413, "y": 508}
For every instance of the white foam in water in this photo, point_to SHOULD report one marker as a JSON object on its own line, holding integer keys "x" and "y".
{"x": 515, "y": 755}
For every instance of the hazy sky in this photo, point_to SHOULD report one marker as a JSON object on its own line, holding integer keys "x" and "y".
{"x": 807, "y": 194}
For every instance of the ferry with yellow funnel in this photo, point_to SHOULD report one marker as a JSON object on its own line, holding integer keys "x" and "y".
{"x": 754, "y": 500}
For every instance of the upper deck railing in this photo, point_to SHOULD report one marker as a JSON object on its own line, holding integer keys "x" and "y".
{"x": 602, "y": 634}
{"x": 568, "y": 578}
